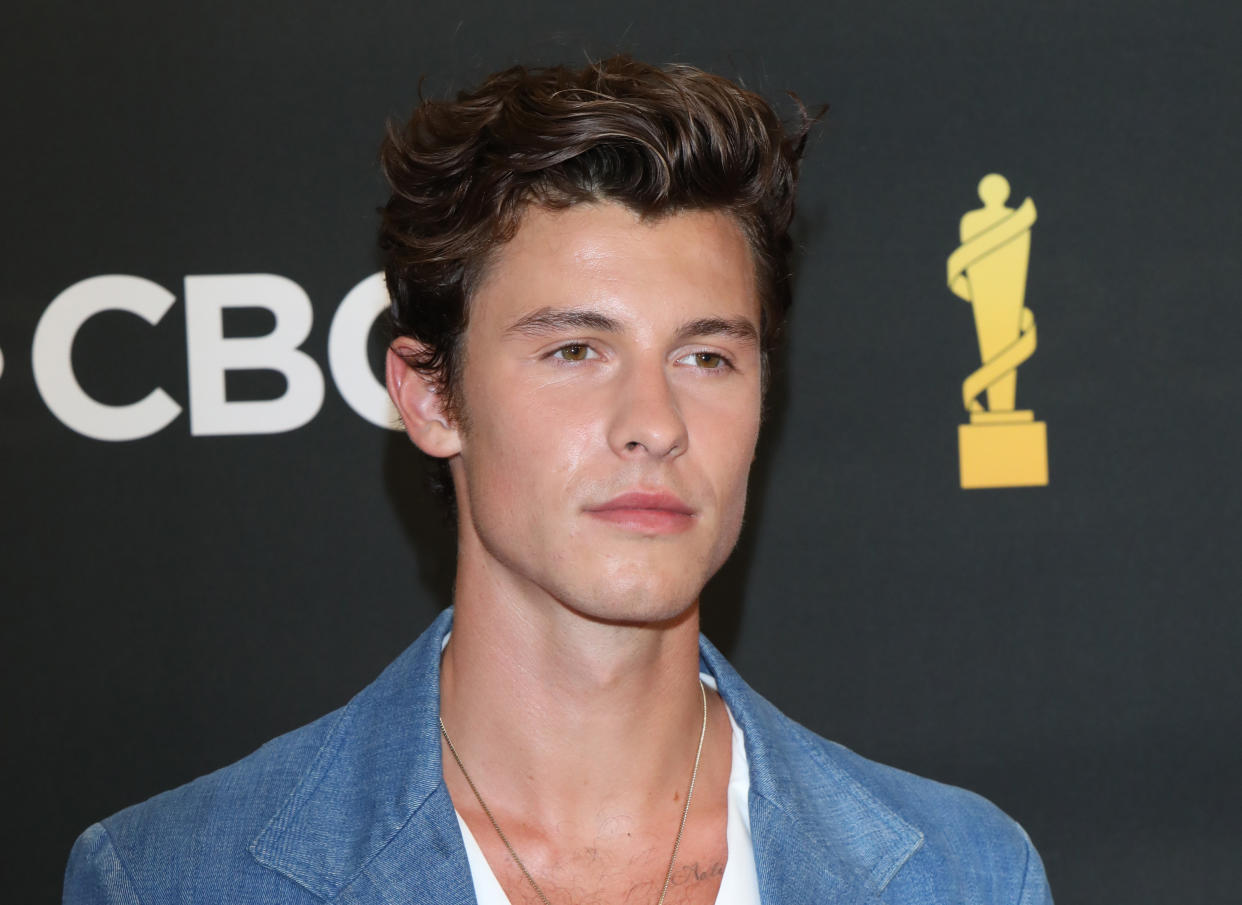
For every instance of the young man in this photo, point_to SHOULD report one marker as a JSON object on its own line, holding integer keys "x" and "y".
{"x": 588, "y": 271}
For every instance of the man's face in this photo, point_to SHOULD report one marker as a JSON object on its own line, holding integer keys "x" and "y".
{"x": 611, "y": 400}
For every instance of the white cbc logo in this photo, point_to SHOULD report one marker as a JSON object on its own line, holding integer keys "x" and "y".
{"x": 209, "y": 354}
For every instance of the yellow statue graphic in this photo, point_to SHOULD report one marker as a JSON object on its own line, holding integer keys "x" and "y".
{"x": 1000, "y": 447}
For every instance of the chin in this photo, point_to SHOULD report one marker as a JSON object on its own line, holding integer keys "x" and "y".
{"x": 627, "y": 614}
{"x": 641, "y": 602}
{"x": 650, "y": 590}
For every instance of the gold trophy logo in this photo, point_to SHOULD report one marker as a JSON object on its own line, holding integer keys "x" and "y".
{"x": 1001, "y": 446}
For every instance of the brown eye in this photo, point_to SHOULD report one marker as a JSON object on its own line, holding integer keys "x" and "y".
{"x": 575, "y": 352}
{"x": 708, "y": 359}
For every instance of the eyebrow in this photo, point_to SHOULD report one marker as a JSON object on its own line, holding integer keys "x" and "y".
{"x": 556, "y": 320}
{"x": 547, "y": 321}
{"x": 738, "y": 328}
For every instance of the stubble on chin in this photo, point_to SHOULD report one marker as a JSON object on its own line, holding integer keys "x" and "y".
{"x": 643, "y": 593}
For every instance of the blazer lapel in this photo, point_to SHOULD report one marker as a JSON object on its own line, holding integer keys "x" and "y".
{"x": 425, "y": 862}
{"x": 792, "y": 867}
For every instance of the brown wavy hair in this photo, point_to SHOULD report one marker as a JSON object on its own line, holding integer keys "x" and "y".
{"x": 658, "y": 140}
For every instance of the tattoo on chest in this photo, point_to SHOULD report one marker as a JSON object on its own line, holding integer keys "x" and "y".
{"x": 696, "y": 873}
{"x": 686, "y": 876}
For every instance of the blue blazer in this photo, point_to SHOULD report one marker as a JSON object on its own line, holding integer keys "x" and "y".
{"x": 353, "y": 809}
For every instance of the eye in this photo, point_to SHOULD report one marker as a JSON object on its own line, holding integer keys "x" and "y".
{"x": 711, "y": 361}
{"x": 575, "y": 352}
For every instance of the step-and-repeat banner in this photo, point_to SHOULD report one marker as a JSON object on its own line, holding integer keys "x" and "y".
{"x": 992, "y": 529}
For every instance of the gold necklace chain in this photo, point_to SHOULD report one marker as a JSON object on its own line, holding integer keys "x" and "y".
{"x": 685, "y": 812}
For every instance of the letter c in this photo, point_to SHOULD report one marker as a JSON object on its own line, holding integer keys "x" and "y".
{"x": 51, "y": 358}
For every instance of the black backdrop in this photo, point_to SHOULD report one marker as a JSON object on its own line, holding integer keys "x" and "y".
{"x": 1069, "y": 651}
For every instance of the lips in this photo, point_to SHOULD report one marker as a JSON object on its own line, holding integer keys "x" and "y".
{"x": 646, "y": 512}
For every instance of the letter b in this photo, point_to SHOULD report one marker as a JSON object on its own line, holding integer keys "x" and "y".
{"x": 210, "y": 354}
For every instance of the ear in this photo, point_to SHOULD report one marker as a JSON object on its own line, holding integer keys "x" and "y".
{"x": 416, "y": 397}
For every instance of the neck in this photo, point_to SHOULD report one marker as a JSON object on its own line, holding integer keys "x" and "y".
{"x": 564, "y": 718}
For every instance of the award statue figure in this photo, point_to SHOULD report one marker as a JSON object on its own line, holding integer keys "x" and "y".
{"x": 1001, "y": 446}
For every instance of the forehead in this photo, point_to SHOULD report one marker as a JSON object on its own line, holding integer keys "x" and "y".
{"x": 605, "y": 255}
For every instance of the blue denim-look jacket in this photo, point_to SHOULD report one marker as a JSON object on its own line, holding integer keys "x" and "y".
{"x": 353, "y": 809}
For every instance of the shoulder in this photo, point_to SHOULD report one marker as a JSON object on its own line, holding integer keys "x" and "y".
{"x": 190, "y": 844}
{"x": 295, "y": 821}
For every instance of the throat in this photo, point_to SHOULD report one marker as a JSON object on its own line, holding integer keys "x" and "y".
{"x": 563, "y": 752}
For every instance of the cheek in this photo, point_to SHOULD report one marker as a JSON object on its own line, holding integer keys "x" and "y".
{"x": 725, "y": 437}
{"x": 733, "y": 506}
{"x": 526, "y": 445}
{"x": 728, "y": 434}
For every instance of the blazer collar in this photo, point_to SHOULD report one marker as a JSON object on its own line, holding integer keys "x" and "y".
{"x": 819, "y": 834}
{"x": 371, "y": 820}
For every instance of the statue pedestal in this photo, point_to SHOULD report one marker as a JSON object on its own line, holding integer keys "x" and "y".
{"x": 1003, "y": 449}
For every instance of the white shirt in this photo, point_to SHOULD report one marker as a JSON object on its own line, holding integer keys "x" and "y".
{"x": 738, "y": 886}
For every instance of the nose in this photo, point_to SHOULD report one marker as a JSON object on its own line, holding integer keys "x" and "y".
{"x": 647, "y": 420}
